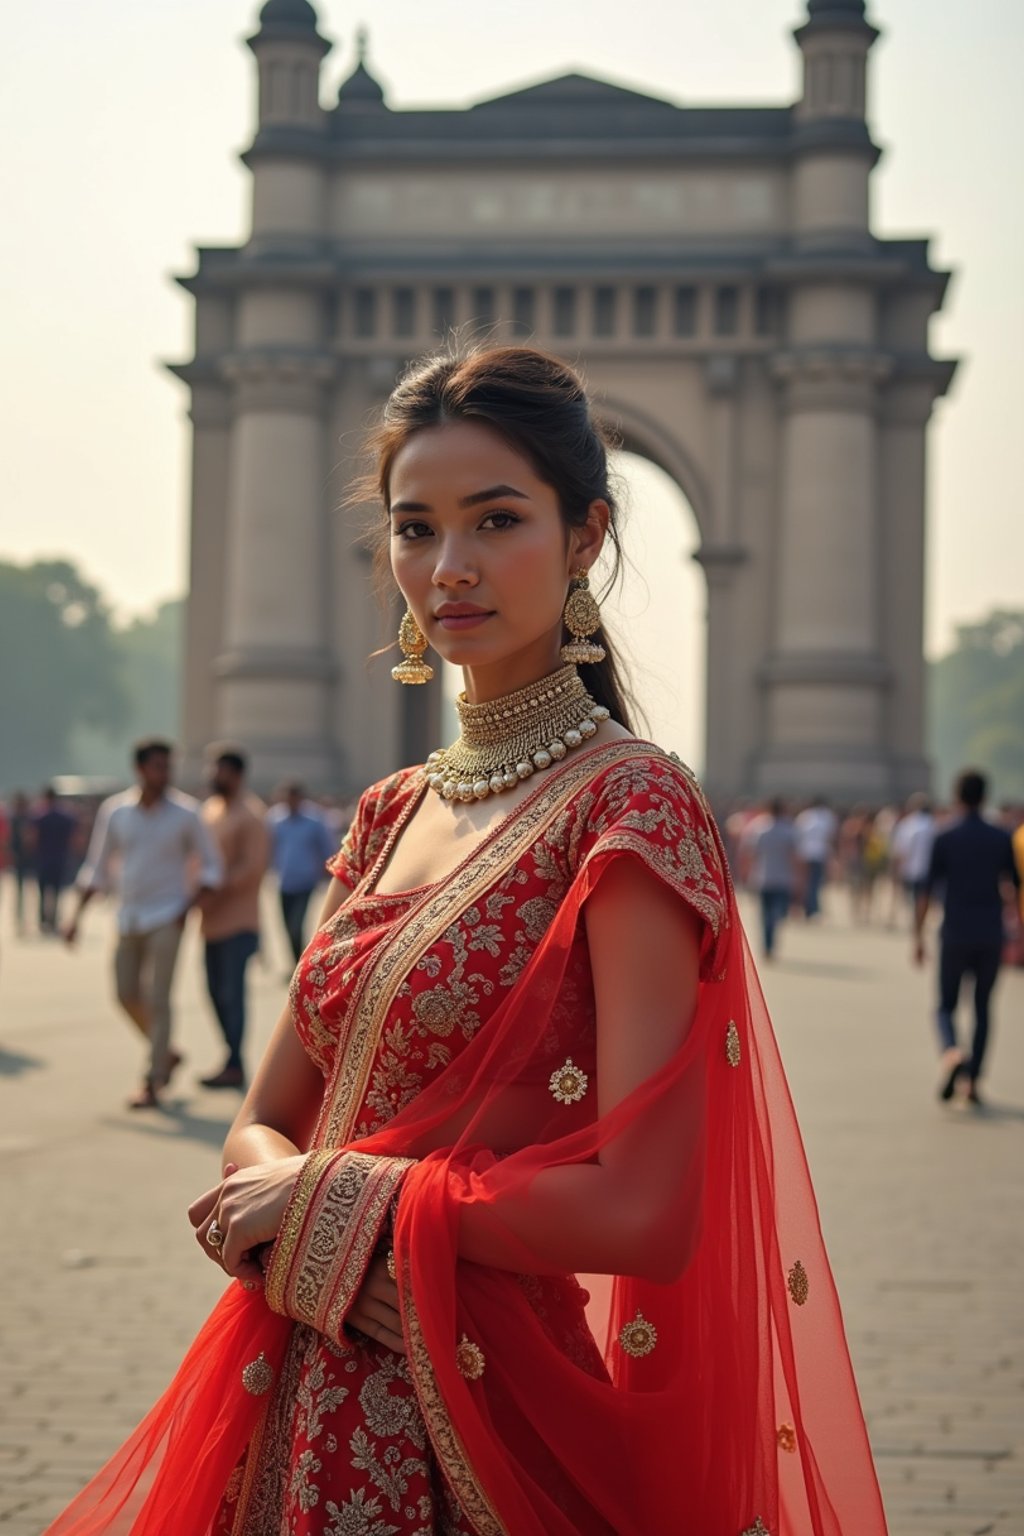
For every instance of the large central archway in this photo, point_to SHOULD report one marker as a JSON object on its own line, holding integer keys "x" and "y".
{"x": 657, "y": 614}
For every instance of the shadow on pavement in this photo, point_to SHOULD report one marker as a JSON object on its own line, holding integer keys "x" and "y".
{"x": 174, "y": 1121}
{"x": 14, "y": 1063}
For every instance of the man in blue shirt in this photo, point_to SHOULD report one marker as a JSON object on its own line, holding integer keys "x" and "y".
{"x": 302, "y": 843}
{"x": 973, "y": 861}
{"x": 53, "y": 831}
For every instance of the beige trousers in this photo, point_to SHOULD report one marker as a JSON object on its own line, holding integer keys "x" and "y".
{"x": 144, "y": 970}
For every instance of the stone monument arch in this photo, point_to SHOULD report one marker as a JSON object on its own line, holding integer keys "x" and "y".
{"x": 714, "y": 270}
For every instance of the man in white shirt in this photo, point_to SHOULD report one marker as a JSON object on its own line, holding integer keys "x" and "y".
{"x": 152, "y": 845}
{"x": 911, "y": 847}
{"x": 816, "y": 829}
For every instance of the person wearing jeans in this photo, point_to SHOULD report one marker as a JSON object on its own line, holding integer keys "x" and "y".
{"x": 773, "y": 872}
{"x": 237, "y": 823}
{"x": 302, "y": 844}
{"x": 973, "y": 862}
{"x": 151, "y": 844}
{"x": 816, "y": 829}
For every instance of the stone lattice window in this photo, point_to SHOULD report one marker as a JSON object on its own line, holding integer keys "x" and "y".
{"x": 483, "y": 308}
{"x": 565, "y": 311}
{"x": 444, "y": 310}
{"x": 403, "y": 311}
{"x": 685, "y": 306}
{"x": 364, "y": 312}
{"x": 524, "y": 311}
{"x": 605, "y": 311}
{"x": 768, "y": 311}
{"x": 727, "y": 310}
{"x": 645, "y": 310}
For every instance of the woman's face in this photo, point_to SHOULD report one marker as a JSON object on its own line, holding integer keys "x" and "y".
{"x": 482, "y": 555}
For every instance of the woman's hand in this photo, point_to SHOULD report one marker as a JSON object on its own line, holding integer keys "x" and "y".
{"x": 375, "y": 1309}
{"x": 247, "y": 1207}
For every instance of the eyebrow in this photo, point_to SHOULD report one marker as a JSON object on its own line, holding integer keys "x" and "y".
{"x": 490, "y": 494}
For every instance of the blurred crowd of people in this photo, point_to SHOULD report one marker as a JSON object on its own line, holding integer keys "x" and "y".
{"x": 787, "y": 852}
{"x": 161, "y": 854}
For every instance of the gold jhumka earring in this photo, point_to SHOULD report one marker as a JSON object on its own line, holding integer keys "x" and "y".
{"x": 412, "y": 668}
{"x": 582, "y": 618}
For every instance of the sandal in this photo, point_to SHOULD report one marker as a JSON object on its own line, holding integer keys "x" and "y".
{"x": 146, "y": 1098}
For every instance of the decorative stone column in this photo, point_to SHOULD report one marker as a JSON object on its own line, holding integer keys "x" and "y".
{"x": 210, "y": 414}
{"x": 275, "y": 671}
{"x": 826, "y": 680}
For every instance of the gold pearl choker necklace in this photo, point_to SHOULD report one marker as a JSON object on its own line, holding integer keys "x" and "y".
{"x": 506, "y": 740}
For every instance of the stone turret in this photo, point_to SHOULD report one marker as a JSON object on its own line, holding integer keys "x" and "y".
{"x": 274, "y": 670}
{"x": 289, "y": 51}
{"x": 834, "y": 150}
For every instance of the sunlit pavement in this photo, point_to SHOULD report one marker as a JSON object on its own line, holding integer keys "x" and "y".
{"x": 104, "y": 1286}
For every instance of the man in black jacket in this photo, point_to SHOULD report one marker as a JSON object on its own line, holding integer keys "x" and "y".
{"x": 974, "y": 864}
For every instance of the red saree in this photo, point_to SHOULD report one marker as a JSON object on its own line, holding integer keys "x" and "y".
{"x": 455, "y": 1027}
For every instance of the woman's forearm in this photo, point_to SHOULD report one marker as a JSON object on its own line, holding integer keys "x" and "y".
{"x": 247, "y": 1145}
{"x": 576, "y": 1219}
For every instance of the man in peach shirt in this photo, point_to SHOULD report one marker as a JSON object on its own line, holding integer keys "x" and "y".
{"x": 231, "y": 918}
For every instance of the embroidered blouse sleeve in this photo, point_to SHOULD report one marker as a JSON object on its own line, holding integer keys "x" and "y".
{"x": 369, "y": 829}
{"x": 653, "y": 809}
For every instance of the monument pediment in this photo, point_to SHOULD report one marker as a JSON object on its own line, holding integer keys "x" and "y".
{"x": 576, "y": 91}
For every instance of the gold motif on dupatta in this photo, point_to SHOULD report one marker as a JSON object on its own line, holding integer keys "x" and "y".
{"x": 568, "y": 1084}
{"x": 258, "y": 1376}
{"x": 786, "y": 1437}
{"x": 469, "y": 1358}
{"x": 639, "y": 1337}
{"x": 757, "y": 1529}
{"x": 733, "y": 1054}
{"x": 798, "y": 1283}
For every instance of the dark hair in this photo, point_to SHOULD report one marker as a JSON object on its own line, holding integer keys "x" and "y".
{"x": 224, "y": 752}
{"x": 150, "y": 746}
{"x": 540, "y": 407}
{"x": 971, "y": 788}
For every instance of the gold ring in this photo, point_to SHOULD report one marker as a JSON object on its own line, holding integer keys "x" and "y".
{"x": 390, "y": 1264}
{"x": 215, "y": 1237}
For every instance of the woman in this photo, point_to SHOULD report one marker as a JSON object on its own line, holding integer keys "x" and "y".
{"x": 526, "y": 1044}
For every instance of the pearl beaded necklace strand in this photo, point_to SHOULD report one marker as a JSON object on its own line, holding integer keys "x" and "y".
{"x": 508, "y": 739}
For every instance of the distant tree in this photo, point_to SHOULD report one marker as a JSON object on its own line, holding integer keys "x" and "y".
{"x": 976, "y": 704}
{"x": 149, "y": 659}
{"x": 60, "y": 669}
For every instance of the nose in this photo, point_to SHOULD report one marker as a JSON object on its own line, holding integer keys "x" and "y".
{"x": 453, "y": 564}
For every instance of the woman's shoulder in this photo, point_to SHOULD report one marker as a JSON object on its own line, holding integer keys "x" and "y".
{"x": 377, "y": 810}
{"x": 646, "y": 803}
{"x": 632, "y": 774}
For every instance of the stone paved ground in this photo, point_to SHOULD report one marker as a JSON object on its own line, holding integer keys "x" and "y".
{"x": 103, "y": 1287}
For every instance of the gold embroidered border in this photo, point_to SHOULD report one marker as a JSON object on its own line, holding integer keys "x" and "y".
{"x": 449, "y": 1449}
{"x": 345, "y": 1215}
{"x": 707, "y": 907}
{"x": 376, "y": 1204}
{"x": 292, "y": 1224}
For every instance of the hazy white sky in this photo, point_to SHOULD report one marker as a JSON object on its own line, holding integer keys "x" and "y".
{"x": 121, "y": 121}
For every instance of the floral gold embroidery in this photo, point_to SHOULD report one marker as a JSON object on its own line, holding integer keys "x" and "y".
{"x": 799, "y": 1285}
{"x": 568, "y": 1084}
{"x": 757, "y": 1529}
{"x": 258, "y": 1376}
{"x": 639, "y": 1337}
{"x": 733, "y": 1054}
{"x": 786, "y": 1437}
{"x": 469, "y": 1358}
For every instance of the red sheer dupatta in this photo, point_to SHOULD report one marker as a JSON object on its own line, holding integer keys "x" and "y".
{"x": 728, "y": 1405}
